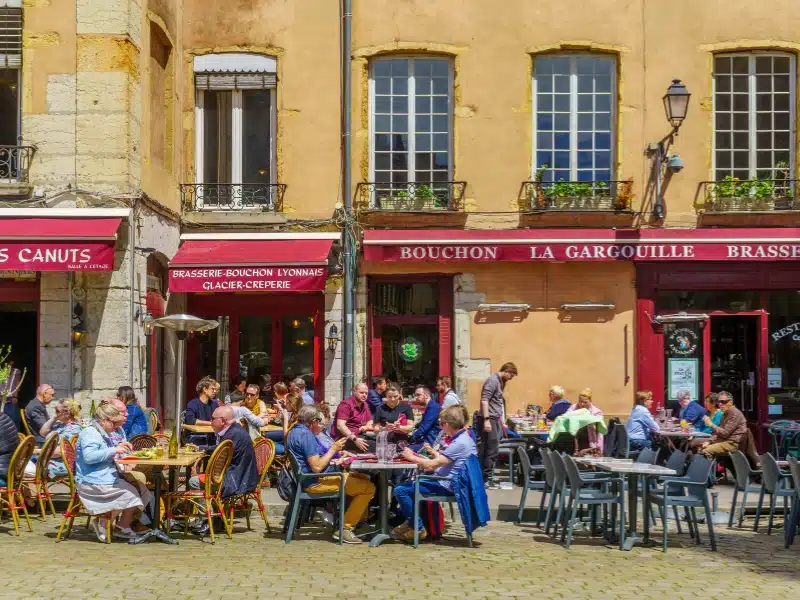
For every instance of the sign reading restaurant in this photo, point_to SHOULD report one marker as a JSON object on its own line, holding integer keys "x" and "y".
{"x": 248, "y": 279}
{"x": 604, "y": 251}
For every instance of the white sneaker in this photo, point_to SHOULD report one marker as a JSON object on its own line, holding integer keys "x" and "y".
{"x": 99, "y": 526}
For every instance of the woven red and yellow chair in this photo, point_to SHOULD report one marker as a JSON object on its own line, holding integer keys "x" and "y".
{"x": 11, "y": 495}
{"x": 75, "y": 507}
{"x": 143, "y": 441}
{"x": 209, "y": 498}
{"x": 26, "y": 430}
{"x": 39, "y": 482}
{"x": 265, "y": 454}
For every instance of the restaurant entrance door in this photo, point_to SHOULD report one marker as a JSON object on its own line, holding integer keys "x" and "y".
{"x": 733, "y": 363}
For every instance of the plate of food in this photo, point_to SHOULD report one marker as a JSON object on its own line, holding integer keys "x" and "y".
{"x": 190, "y": 449}
{"x": 145, "y": 454}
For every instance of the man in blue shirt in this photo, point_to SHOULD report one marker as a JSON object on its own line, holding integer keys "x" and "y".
{"x": 298, "y": 386}
{"x": 303, "y": 444}
{"x": 428, "y": 427}
{"x": 558, "y": 404}
{"x": 376, "y": 394}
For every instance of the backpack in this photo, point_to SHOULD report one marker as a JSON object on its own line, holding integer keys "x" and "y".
{"x": 287, "y": 486}
{"x": 433, "y": 519}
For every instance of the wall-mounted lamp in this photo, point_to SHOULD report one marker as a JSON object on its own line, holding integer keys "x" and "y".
{"x": 79, "y": 330}
{"x": 681, "y": 317}
{"x": 504, "y": 307}
{"x": 147, "y": 324}
{"x": 589, "y": 306}
{"x": 333, "y": 337}
{"x": 676, "y": 106}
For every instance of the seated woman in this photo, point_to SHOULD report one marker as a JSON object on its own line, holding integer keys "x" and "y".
{"x": 594, "y": 442}
{"x": 394, "y": 416}
{"x": 99, "y": 485}
{"x": 288, "y": 416}
{"x": 641, "y": 425}
{"x": 136, "y": 421}
{"x": 714, "y": 413}
{"x": 237, "y": 390}
{"x": 66, "y": 426}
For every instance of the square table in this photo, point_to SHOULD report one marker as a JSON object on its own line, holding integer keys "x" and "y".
{"x": 383, "y": 469}
{"x": 633, "y": 470}
{"x": 184, "y": 460}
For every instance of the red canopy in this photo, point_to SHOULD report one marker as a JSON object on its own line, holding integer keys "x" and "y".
{"x": 226, "y": 265}
{"x": 58, "y": 243}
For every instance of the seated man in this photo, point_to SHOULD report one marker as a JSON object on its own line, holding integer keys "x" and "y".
{"x": 558, "y": 404}
{"x": 444, "y": 463}
{"x": 242, "y": 411}
{"x": 353, "y": 417}
{"x": 690, "y": 411}
{"x": 241, "y": 476}
{"x": 36, "y": 411}
{"x": 394, "y": 416}
{"x": 428, "y": 429}
{"x": 726, "y": 436}
{"x": 200, "y": 409}
{"x": 302, "y": 443}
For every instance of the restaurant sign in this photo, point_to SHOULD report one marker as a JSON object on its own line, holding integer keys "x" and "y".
{"x": 248, "y": 279}
{"x": 603, "y": 251}
{"x": 57, "y": 256}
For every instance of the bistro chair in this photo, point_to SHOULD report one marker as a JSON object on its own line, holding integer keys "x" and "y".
{"x": 690, "y": 492}
{"x": 302, "y": 498}
{"x": 40, "y": 480}
{"x": 265, "y": 454}
{"x": 794, "y": 518}
{"x": 26, "y": 430}
{"x": 781, "y": 436}
{"x": 743, "y": 482}
{"x": 676, "y": 462}
{"x": 21, "y": 436}
{"x": 507, "y": 450}
{"x": 584, "y": 492}
{"x": 143, "y": 441}
{"x": 623, "y": 446}
{"x": 647, "y": 456}
{"x": 777, "y": 484}
{"x": 209, "y": 498}
{"x": 530, "y": 483}
{"x": 561, "y": 485}
{"x": 75, "y": 507}
{"x": 152, "y": 421}
{"x": 11, "y": 495}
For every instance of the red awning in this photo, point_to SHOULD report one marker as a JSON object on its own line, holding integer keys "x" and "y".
{"x": 58, "y": 243}
{"x": 228, "y": 265}
{"x": 523, "y": 245}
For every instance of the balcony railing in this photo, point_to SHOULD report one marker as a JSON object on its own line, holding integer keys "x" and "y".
{"x": 15, "y": 163}
{"x": 750, "y": 195}
{"x": 266, "y": 197}
{"x": 577, "y": 196}
{"x": 412, "y": 197}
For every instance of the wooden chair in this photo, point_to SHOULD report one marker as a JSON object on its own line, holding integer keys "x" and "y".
{"x": 209, "y": 499}
{"x": 143, "y": 440}
{"x": 75, "y": 507}
{"x": 11, "y": 495}
{"x": 26, "y": 430}
{"x": 154, "y": 424}
{"x": 21, "y": 436}
{"x": 265, "y": 454}
{"x": 41, "y": 479}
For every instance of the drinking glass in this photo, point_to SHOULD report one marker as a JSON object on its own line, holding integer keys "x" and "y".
{"x": 391, "y": 450}
{"x": 380, "y": 453}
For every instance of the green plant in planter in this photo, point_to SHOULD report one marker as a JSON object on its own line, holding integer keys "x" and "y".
{"x": 424, "y": 191}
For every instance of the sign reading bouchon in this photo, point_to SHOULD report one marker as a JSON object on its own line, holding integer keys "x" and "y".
{"x": 248, "y": 279}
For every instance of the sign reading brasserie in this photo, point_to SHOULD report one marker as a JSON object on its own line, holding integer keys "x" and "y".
{"x": 248, "y": 279}
{"x": 583, "y": 252}
{"x": 56, "y": 256}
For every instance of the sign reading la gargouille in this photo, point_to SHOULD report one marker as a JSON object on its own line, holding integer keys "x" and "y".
{"x": 57, "y": 256}
{"x": 583, "y": 252}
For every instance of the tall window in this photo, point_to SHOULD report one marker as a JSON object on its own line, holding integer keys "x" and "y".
{"x": 235, "y": 129}
{"x": 753, "y": 115}
{"x": 574, "y": 112}
{"x": 411, "y": 122}
{"x": 10, "y": 64}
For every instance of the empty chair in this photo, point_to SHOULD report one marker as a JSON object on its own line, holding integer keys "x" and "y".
{"x": 647, "y": 456}
{"x": 743, "y": 480}
{"x": 794, "y": 519}
{"x": 507, "y": 450}
{"x": 676, "y": 462}
{"x": 529, "y": 483}
{"x": 623, "y": 446}
{"x": 777, "y": 484}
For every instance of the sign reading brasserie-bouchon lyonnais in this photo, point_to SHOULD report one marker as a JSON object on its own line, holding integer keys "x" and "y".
{"x": 582, "y": 252}
{"x": 248, "y": 279}
{"x": 57, "y": 256}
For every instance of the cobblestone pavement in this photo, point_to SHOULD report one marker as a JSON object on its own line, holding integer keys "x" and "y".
{"x": 508, "y": 561}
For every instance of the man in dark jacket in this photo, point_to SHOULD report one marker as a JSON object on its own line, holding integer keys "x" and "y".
{"x": 242, "y": 474}
{"x": 9, "y": 440}
{"x": 428, "y": 428}
{"x": 376, "y": 394}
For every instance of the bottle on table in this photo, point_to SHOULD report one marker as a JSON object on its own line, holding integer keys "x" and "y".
{"x": 173, "y": 442}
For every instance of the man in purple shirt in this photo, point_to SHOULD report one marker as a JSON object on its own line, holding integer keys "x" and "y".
{"x": 492, "y": 416}
{"x": 354, "y": 417}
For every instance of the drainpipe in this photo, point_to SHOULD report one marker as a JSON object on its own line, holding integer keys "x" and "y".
{"x": 132, "y": 319}
{"x": 350, "y": 260}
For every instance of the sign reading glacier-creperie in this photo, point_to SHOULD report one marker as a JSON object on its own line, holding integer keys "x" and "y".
{"x": 56, "y": 256}
{"x": 581, "y": 252}
{"x": 248, "y": 279}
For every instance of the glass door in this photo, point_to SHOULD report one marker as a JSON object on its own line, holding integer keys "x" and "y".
{"x": 297, "y": 350}
{"x": 733, "y": 360}
{"x": 255, "y": 351}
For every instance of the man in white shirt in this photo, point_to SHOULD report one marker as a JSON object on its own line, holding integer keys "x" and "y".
{"x": 446, "y": 393}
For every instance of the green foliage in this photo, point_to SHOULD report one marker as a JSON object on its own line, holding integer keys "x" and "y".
{"x": 570, "y": 189}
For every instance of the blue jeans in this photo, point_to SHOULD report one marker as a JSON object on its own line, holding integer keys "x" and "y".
{"x": 640, "y": 444}
{"x": 404, "y": 493}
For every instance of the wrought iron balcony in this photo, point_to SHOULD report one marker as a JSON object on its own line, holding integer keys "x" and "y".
{"x": 577, "y": 196}
{"x": 15, "y": 163}
{"x": 412, "y": 197}
{"x": 266, "y": 197}
{"x": 749, "y": 195}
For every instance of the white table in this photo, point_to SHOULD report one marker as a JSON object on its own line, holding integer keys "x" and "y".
{"x": 633, "y": 470}
{"x": 382, "y": 468}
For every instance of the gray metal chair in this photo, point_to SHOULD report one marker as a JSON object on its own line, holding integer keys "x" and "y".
{"x": 623, "y": 445}
{"x": 676, "y": 462}
{"x": 690, "y": 492}
{"x": 561, "y": 485}
{"x": 302, "y": 498}
{"x": 529, "y": 483}
{"x": 794, "y": 518}
{"x": 507, "y": 449}
{"x": 647, "y": 456}
{"x": 585, "y": 492}
{"x": 422, "y": 497}
{"x": 743, "y": 480}
{"x": 777, "y": 484}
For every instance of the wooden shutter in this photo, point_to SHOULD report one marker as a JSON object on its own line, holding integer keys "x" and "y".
{"x": 446, "y": 327}
{"x": 10, "y": 38}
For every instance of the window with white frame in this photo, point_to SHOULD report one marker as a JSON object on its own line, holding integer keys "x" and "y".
{"x": 754, "y": 97}
{"x": 235, "y": 128}
{"x": 574, "y": 114}
{"x": 13, "y": 158}
{"x": 411, "y": 123}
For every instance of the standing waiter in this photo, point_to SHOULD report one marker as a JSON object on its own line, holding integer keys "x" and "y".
{"x": 492, "y": 416}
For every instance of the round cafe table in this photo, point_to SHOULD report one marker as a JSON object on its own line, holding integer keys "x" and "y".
{"x": 383, "y": 469}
